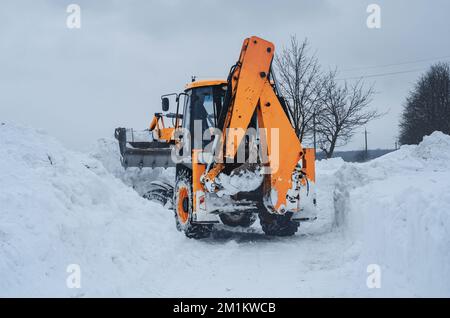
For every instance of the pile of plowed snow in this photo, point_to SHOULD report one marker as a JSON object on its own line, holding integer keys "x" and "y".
{"x": 59, "y": 207}
{"x": 398, "y": 208}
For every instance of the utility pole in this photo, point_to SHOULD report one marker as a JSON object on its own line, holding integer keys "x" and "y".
{"x": 365, "y": 140}
{"x": 397, "y": 144}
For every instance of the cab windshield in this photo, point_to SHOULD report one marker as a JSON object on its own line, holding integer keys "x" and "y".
{"x": 207, "y": 103}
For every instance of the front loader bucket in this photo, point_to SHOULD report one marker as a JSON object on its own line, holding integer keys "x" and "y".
{"x": 139, "y": 149}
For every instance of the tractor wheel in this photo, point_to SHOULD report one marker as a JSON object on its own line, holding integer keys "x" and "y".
{"x": 237, "y": 219}
{"x": 277, "y": 225}
{"x": 183, "y": 199}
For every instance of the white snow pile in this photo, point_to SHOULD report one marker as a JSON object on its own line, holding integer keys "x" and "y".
{"x": 59, "y": 207}
{"x": 398, "y": 208}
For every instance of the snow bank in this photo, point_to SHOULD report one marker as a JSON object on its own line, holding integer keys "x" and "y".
{"x": 329, "y": 166}
{"x": 398, "y": 208}
{"x": 58, "y": 207}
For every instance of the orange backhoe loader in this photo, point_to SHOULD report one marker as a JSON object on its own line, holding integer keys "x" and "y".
{"x": 235, "y": 152}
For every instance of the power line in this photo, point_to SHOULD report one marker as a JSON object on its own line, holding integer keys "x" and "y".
{"x": 395, "y": 64}
{"x": 376, "y": 66}
{"x": 380, "y": 74}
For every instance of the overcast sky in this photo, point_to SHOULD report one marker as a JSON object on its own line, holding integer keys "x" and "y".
{"x": 79, "y": 84}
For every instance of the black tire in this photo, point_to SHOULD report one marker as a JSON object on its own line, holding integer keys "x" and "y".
{"x": 277, "y": 225}
{"x": 159, "y": 193}
{"x": 182, "y": 206}
{"x": 243, "y": 219}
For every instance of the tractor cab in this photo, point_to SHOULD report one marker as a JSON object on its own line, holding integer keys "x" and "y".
{"x": 201, "y": 101}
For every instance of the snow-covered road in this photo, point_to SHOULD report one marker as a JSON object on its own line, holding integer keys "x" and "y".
{"x": 59, "y": 207}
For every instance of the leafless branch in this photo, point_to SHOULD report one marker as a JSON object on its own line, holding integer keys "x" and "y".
{"x": 345, "y": 108}
{"x": 300, "y": 83}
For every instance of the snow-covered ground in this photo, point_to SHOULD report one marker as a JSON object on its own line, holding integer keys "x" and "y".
{"x": 59, "y": 207}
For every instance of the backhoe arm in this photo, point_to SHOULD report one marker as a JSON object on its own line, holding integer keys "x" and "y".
{"x": 252, "y": 91}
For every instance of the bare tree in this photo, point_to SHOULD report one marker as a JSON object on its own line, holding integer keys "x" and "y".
{"x": 300, "y": 84}
{"x": 344, "y": 109}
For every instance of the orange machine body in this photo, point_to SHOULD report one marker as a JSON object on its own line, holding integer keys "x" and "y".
{"x": 245, "y": 107}
{"x": 160, "y": 131}
{"x": 252, "y": 91}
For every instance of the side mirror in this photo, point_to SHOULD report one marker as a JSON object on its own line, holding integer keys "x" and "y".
{"x": 165, "y": 104}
